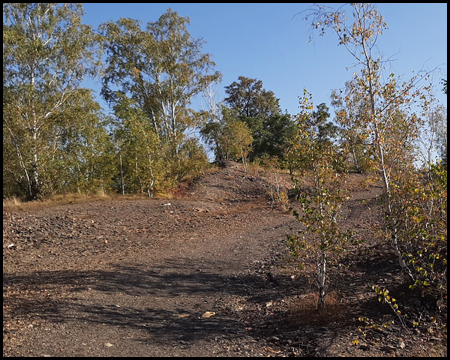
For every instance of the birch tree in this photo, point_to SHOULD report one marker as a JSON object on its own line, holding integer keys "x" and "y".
{"x": 433, "y": 137}
{"x": 161, "y": 69}
{"x": 47, "y": 52}
{"x": 391, "y": 120}
{"x": 355, "y": 137}
{"x": 141, "y": 155}
{"x": 321, "y": 203}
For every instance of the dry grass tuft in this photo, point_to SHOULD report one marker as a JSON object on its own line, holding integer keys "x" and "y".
{"x": 15, "y": 204}
{"x": 304, "y": 311}
{"x": 255, "y": 169}
{"x": 11, "y": 203}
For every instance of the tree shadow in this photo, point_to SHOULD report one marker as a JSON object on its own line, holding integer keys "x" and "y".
{"x": 26, "y": 297}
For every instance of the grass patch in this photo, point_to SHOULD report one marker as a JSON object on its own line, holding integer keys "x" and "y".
{"x": 15, "y": 204}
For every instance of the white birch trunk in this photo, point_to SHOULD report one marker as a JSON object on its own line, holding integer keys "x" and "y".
{"x": 322, "y": 265}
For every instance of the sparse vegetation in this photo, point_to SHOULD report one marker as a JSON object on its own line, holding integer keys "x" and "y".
{"x": 60, "y": 150}
{"x": 378, "y": 119}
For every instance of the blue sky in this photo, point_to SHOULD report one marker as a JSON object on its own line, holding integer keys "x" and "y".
{"x": 269, "y": 42}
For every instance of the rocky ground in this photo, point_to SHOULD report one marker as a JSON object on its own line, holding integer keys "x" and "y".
{"x": 202, "y": 274}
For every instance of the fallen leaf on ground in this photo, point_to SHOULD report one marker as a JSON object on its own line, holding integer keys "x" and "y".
{"x": 181, "y": 315}
{"x": 269, "y": 349}
{"x": 208, "y": 314}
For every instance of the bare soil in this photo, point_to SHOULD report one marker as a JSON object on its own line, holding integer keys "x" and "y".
{"x": 202, "y": 274}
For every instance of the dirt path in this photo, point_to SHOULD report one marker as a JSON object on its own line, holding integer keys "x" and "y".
{"x": 124, "y": 284}
{"x": 200, "y": 275}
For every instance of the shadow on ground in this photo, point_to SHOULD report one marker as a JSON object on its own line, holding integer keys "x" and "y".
{"x": 155, "y": 289}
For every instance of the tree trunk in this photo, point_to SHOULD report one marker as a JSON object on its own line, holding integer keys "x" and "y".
{"x": 243, "y": 162}
{"x": 34, "y": 186}
{"x": 121, "y": 175}
{"x": 388, "y": 211}
{"x": 355, "y": 160}
{"x": 321, "y": 280}
{"x": 150, "y": 187}
{"x": 33, "y": 183}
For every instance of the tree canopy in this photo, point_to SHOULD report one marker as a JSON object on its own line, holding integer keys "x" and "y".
{"x": 161, "y": 69}
{"x": 47, "y": 52}
{"x": 155, "y": 73}
{"x": 259, "y": 109}
{"x": 250, "y": 100}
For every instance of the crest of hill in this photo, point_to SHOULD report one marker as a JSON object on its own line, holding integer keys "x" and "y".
{"x": 229, "y": 182}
